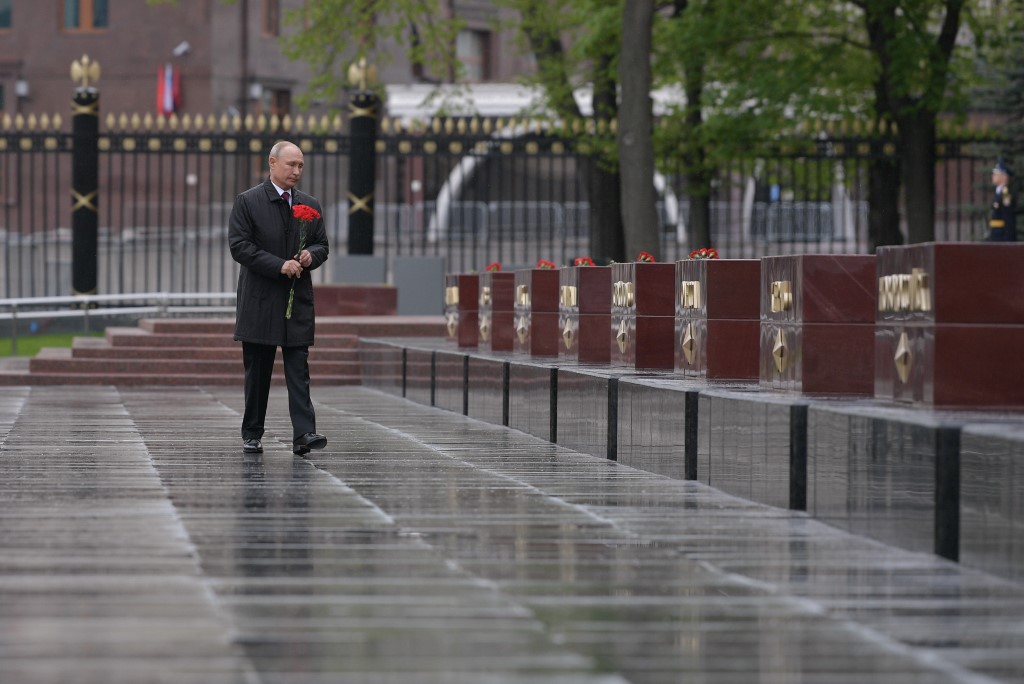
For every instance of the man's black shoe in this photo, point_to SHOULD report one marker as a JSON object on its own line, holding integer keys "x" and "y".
{"x": 308, "y": 441}
{"x": 252, "y": 446}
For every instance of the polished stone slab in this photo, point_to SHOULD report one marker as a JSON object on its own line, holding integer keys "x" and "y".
{"x": 487, "y": 389}
{"x": 450, "y": 374}
{"x": 533, "y": 399}
{"x": 643, "y": 316}
{"x": 950, "y": 324}
{"x": 497, "y": 311}
{"x": 584, "y": 306}
{"x": 419, "y": 375}
{"x": 904, "y": 477}
{"x": 817, "y": 324}
{"x": 424, "y": 546}
{"x": 586, "y": 410}
{"x": 753, "y": 445}
{"x": 992, "y": 498}
{"x": 462, "y": 308}
{"x": 718, "y": 323}
{"x": 383, "y": 366}
{"x": 653, "y": 425}
{"x": 537, "y": 334}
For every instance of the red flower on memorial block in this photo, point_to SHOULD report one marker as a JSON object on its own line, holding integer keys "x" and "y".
{"x": 583, "y": 261}
{"x": 645, "y": 258}
{"x": 305, "y": 215}
{"x": 493, "y": 267}
{"x": 544, "y": 263}
{"x": 704, "y": 253}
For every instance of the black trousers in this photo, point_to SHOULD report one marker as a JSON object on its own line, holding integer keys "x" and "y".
{"x": 259, "y": 367}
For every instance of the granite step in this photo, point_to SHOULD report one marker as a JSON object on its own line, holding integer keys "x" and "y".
{"x": 63, "y": 361}
{"x": 138, "y": 337}
{"x": 17, "y": 378}
{"x": 360, "y": 326}
{"x": 100, "y": 348}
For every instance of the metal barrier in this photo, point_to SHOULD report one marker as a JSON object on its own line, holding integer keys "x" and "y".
{"x": 158, "y": 303}
{"x": 460, "y": 193}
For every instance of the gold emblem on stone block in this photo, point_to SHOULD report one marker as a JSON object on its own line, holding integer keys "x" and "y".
{"x": 622, "y": 336}
{"x": 689, "y": 344}
{"x": 622, "y": 293}
{"x": 689, "y": 294}
{"x": 903, "y": 358}
{"x": 451, "y": 295}
{"x": 522, "y": 329}
{"x": 452, "y": 323}
{"x": 485, "y": 328}
{"x": 485, "y": 295}
{"x": 567, "y": 334}
{"x": 568, "y": 295}
{"x": 781, "y": 296}
{"x": 905, "y": 292}
{"x": 523, "y": 295}
{"x": 780, "y": 352}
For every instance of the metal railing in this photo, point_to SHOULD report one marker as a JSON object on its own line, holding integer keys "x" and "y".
{"x": 471, "y": 198}
{"x": 90, "y": 306}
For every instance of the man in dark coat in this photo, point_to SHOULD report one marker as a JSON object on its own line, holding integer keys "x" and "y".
{"x": 264, "y": 238}
{"x": 1002, "y": 221}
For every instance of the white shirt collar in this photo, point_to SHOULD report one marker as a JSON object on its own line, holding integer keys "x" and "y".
{"x": 291, "y": 193}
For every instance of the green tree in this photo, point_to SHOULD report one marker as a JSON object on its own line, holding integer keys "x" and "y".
{"x": 913, "y": 42}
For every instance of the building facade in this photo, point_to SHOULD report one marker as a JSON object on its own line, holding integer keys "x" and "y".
{"x": 201, "y": 56}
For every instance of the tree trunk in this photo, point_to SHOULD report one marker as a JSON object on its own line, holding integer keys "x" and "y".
{"x": 884, "y": 203}
{"x": 607, "y": 239}
{"x": 636, "y": 121}
{"x": 917, "y": 158}
{"x": 698, "y": 176}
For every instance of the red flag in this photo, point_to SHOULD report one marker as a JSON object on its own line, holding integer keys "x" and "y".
{"x": 168, "y": 89}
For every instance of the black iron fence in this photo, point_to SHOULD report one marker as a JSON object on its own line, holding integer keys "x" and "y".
{"x": 468, "y": 192}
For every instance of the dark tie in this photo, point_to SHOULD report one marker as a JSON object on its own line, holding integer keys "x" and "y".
{"x": 286, "y": 197}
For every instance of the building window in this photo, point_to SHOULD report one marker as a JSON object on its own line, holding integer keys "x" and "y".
{"x": 272, "y": 17}
{"x": 5, "y": 14}
{"x": 472, "y": 49}
{"x": 85, "y": 15}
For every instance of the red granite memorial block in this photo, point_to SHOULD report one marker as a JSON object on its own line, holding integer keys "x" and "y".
{"x": 497, "y": 310}
{"x": 718, "y": 319}
{"x": 643, "y": 315}
{"x": 950, "y": 325}
{"x": 461, "y": 312}
{"x": 585, "y": 305}
{"x": 536, "y": 312}
{"x": 817, "y": 323}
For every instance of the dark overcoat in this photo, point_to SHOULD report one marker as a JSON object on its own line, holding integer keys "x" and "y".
{"x": 1002, "y": 219}
{"x": 262, "y": 235}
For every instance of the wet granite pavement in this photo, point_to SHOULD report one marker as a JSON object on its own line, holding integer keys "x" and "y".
{"x": 138, "y": 544}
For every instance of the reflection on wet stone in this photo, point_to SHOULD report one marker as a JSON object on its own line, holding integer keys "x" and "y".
{"x": 425, "y": 546}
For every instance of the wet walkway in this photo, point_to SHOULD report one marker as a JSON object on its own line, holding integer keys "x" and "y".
{"x": 138, "y": 544}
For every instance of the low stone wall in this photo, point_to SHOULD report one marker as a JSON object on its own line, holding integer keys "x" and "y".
{"x": 944, "y": 482}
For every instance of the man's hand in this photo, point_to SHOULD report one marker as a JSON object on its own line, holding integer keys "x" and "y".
{"x": 292, "y": 268}
{"x": 305, "y": 258}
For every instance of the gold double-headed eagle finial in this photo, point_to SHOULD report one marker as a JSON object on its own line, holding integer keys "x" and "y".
{"x": 360, "y": 74}
{"x": 85, "y": 70}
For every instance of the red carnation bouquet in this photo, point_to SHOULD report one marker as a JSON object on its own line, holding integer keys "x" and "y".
{"x": 545, "y": 264}
{"x": 305, "y": 215}
{"x": 704, "y": 253}
{"x": 493, "y": 267}
{"x": 583, "y": 261}
{"x": 645, "y": 257}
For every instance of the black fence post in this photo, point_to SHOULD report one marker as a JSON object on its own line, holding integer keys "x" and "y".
{"x": 362, "y": 159}
{"x": 85, "y": 123}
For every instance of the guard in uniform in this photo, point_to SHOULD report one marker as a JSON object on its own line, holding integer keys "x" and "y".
{"x": 1002, "y": 220}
